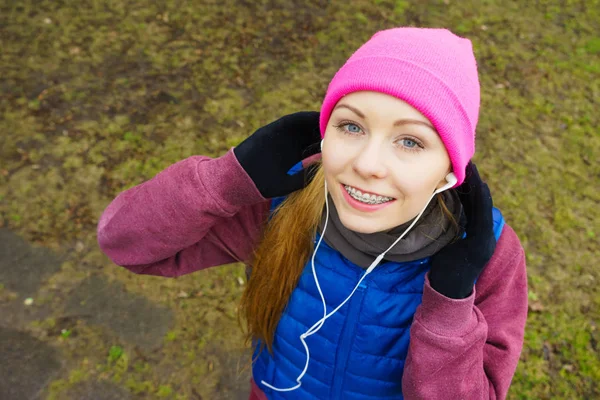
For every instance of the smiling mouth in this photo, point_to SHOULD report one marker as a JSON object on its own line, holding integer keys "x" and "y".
{"x": 367, "y": 198}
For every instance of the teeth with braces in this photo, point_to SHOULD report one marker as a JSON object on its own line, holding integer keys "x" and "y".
{"x": 366, "y": 198}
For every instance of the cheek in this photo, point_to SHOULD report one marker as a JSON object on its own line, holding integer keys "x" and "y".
{"x": 420, "y": 174}
{"x": 334, "y": 158}
{"x": 330, "y": 166}
{"x": 415, "y": 185}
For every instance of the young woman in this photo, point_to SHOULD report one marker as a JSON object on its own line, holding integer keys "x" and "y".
{"x": 379, "y": 271}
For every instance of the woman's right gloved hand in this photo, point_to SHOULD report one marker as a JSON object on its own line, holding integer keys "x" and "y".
{"x": 269, "y": 153}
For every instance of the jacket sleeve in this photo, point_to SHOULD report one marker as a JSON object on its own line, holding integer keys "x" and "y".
{"x": 197, "y": 213}
{"x": 469, "y": 348}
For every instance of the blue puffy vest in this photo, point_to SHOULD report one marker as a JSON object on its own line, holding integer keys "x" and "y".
{"x": 360, "y": 351}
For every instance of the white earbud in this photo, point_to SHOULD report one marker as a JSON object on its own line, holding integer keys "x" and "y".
{"x": 451, "y": 179}
{"x": 322, "y": 140}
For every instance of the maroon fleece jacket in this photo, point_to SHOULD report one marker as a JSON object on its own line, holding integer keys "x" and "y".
{"x": 203, "y": 212}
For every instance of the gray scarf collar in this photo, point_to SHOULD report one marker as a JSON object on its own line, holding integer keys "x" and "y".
{"x": 433, "y": 231}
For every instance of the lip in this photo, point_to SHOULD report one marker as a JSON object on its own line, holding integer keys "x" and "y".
{"x": 362, "y": 206}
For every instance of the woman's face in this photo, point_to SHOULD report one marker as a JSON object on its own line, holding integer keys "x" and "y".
{"x": 378, "y": 145}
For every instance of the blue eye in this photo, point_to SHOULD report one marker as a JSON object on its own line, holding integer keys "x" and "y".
{"x": 353, "y": 128}
{"x": 348, "y": 128}
{"x": 410, "y": 143}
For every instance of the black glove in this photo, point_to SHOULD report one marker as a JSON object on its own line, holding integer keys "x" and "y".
{"x": 455, "y": 268}
{"x": 269, "y": 153}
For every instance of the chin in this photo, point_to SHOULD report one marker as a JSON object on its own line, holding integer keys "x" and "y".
{"x": 359, "y": 225}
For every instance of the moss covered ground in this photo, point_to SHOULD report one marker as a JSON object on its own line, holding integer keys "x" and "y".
{"x": 99, "y": 95}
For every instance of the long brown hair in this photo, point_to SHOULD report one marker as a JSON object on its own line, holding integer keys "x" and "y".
{"x": 279, "y": 259}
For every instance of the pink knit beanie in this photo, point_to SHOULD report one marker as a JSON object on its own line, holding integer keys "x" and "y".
{"x": 433, "y": 70}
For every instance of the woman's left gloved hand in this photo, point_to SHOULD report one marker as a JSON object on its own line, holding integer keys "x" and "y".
{"x": 455, "y": 268}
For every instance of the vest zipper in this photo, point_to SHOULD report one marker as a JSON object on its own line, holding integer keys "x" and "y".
{"x": 346, "y": 342}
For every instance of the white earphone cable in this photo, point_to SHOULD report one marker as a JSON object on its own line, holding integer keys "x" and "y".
{"x": 317, "y": 325}
{"x": 322, "y": 320}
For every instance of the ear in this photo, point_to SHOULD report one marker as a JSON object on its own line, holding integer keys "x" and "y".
{"x": 443, "y": 182}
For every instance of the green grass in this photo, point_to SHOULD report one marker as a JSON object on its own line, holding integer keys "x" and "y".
{"x": 99, "y": 95}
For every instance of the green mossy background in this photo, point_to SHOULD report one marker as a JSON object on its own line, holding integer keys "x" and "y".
{"x": 99, "y": 95}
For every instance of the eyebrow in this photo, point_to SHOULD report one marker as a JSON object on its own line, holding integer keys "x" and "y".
{"x": 399, "y": 122}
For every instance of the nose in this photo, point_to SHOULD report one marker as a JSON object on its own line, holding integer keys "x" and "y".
{"x": 369, "y": 163}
